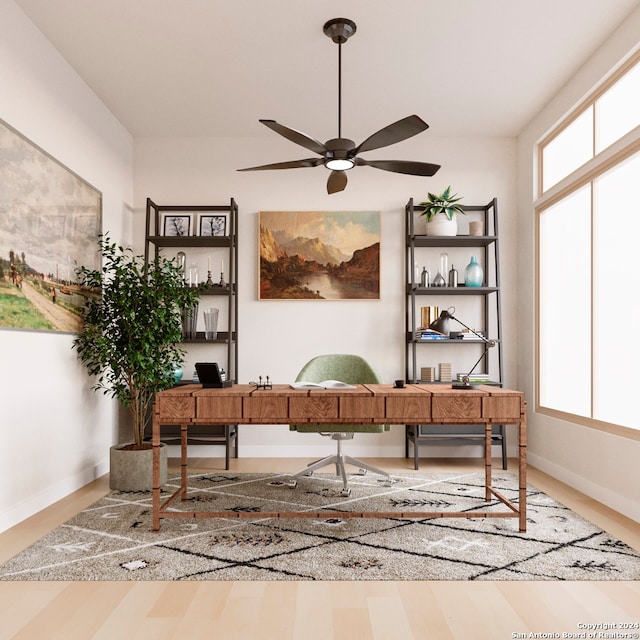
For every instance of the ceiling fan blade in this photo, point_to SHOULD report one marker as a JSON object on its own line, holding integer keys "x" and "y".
{"x": 296, "y": 136}
{"x": 337, "y": 181}
{"x": 396, "y": 132}
{"x": 401, "y": 166}
{"x": 292, "y": 164}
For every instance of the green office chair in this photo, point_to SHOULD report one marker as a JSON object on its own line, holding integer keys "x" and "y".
{"x": 346, "y": 368}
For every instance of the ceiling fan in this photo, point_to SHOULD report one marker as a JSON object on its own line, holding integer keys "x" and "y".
{"x": 341, "y": 154}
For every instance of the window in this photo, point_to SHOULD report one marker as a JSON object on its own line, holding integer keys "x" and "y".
{"x": 616, "y": 292}
{"x": 567, "y": 151}
{"x": 564, "y": 315}
{"x": 618, "y": 109}
{"x": 589, "y": 260}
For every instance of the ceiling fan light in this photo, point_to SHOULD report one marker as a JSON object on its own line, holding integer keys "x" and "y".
{"x": 339, "y": 164}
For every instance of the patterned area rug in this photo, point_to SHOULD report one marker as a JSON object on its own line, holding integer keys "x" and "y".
{"x": 112, "y": 539}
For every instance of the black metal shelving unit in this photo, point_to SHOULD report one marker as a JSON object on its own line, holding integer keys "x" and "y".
{"x": 488, "y": 296}
{"x": 226, "y": 435}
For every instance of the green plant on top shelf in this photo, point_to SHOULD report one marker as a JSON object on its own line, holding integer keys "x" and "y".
{"x": 444, "y": 203}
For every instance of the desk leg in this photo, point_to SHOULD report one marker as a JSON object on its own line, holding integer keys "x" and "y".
{"x": 522, "y": 490}
{"x": 155, "y": 442}
{"x": 183, "y": 461}
{"x": 488, "y": 433}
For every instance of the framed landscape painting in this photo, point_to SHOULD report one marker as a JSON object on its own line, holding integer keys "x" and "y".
{"x": 50, "y": 220}
{"x": 319, "y": 255}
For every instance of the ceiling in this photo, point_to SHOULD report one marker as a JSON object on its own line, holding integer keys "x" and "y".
{"x": 214, "y": 67}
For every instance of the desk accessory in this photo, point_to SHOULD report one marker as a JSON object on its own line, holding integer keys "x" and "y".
{"x": 262, "y": 385}
{"x": 442, "y": 325}
{"x": 210, "y": 376}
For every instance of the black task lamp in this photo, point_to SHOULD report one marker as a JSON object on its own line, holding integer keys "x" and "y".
{"x": 441, "y": 325}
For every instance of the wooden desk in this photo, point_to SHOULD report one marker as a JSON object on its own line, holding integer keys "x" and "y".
{"x": 369, "y": 403}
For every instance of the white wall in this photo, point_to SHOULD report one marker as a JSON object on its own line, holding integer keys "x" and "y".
{"x": 55, "y": 431}
{"x": 602, "y": 465}
{"x": 277, "y": 337}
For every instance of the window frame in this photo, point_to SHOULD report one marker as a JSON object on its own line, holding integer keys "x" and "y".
{"x": 585, "y": 175}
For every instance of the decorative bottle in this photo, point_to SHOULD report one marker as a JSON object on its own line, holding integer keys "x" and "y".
{"x": 424, "y": 277}
{"x": 453, "y": 277}
{"x": 473, "y": 274}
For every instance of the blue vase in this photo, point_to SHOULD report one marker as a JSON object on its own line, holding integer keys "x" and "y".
{"x": 473, "y": 274}
{"x": 177, "y": 373}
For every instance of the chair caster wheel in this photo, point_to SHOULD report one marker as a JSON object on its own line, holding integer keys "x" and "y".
{"x": 362, "y": 472}
{"x": 293, "y": 484}
{"x": 346, "y": 492}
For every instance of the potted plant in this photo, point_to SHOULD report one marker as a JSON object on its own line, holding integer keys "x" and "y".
{"x": 131, "y": 329}
{"x": 440, "y": 213}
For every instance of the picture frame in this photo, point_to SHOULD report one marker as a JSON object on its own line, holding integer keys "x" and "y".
{"x": 176, "y": 225}
{"x": 319, "y": 255}
{"x": 212, "y": 225}
{"x": 50, "y": 221}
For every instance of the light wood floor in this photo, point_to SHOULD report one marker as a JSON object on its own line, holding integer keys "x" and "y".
{"x": 311, "y": 610}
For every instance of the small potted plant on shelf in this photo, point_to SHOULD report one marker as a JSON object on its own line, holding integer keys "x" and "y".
{"x": 440, "y": 213}
{"x": 131, "y": 328}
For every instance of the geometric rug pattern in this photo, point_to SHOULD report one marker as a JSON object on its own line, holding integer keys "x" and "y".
{"x": 112, "y": 539}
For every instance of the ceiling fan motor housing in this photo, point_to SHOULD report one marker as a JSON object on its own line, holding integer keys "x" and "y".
{"x": 340, "y": 153}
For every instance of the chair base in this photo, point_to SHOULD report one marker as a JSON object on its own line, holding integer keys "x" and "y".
{"x": 340, "y": 460}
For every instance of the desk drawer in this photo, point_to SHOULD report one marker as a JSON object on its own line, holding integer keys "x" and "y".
{"x": 362, "y": 409}
{"x": 315, "y": 408}
{"x": 174, "y": 407}
{"x": 456, "y": 408}
{"x": 219, "y": 408}
{"x": 266, "y": 409}
{"x": 409, "y": 408}
{"x": 501, "y": 408}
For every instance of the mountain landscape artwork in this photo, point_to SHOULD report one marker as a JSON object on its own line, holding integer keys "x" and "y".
{"x": 319, "y": 255}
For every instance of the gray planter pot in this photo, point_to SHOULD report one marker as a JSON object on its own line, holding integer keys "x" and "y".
{"x": 133, "y": 470}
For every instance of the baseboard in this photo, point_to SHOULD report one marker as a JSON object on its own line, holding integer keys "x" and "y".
{"x": 52, "y": 493}
{"x": 605, "y": 496}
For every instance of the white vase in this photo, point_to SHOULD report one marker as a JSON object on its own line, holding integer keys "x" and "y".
{"x": 440, "y": 225}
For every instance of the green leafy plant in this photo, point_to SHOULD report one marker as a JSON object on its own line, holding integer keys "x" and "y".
{"x": 131, "y": 327}
{"x": 443, "y": 203}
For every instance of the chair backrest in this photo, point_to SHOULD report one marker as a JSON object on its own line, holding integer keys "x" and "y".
{"x": 338, "y": 366}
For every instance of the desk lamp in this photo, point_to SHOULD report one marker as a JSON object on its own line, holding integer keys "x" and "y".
{"x": 441, "y": 325}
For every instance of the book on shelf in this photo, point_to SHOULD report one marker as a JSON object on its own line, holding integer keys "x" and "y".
{"x": 474, "y": 377}
{"x": 468, "y": 335}
{"x": 429, "y": 334}
{"x": 325, "y": 384}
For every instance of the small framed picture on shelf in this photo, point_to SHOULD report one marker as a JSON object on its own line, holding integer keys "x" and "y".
{"x": 176, "y": 224}
{"x": 212, "y": 225}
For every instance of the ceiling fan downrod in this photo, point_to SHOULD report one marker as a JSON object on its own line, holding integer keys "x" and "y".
{"x": 339, "y": 30}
